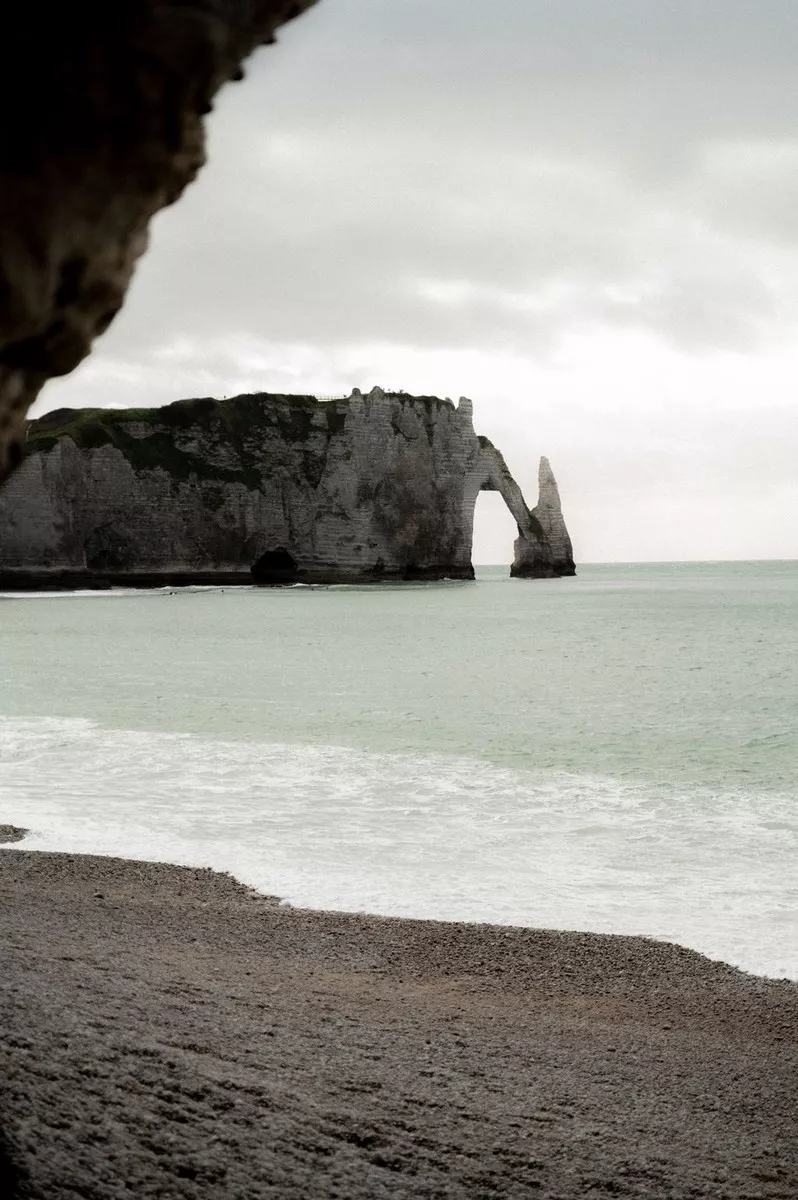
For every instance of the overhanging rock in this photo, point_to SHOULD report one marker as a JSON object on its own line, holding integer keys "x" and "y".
{"x": 103, "y": 107}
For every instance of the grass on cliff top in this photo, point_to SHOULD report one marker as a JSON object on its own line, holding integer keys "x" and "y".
{"x": 86, "y": 425}
{"x": 237, "y": 423}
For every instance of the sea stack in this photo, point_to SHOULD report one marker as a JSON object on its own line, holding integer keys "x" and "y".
{"x": 548, "y": 511}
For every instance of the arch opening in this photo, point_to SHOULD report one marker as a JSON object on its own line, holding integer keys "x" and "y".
{"x": 494, "y": 533}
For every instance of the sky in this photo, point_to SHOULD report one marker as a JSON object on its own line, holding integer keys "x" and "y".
{"x": 582, "y": 214}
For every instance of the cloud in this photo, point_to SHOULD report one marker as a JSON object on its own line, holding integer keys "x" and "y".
{"x": 627, "y": 149}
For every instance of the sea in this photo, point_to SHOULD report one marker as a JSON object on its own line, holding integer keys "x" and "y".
{"x": 615, "y": 753}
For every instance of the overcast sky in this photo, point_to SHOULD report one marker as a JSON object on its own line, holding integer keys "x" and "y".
{"x": 583, "y": 214}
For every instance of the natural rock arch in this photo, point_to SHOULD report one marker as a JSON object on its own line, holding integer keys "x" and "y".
{"x": 543, "y": 546}
{"x": 544, "y": 524}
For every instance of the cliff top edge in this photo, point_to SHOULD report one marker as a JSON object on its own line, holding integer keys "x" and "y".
{"x": 201, "y": 408}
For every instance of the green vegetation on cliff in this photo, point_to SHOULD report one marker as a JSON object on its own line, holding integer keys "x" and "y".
{"x": 150, "y": 438}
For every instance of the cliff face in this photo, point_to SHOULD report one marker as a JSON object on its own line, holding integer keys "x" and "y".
{"x": 282, "y": 488}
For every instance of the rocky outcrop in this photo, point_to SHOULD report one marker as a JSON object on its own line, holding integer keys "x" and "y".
{"x": 276, "y": 488}
{"x": 103, "y": 108}
{"x": 548, "y": 513}
{"x": 12, "y": 833}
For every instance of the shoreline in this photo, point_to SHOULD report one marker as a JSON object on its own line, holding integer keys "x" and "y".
{"x": 29, "y": 580}
{"x": 17, "y": 834}
{"x": 169, "y": 1026}
{"x": 12, "y": 835}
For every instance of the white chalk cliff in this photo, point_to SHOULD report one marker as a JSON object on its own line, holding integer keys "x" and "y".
{"x": 285, "y": 488}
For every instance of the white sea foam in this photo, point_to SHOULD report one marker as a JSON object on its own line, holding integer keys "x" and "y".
{"x": 421, "y": 835}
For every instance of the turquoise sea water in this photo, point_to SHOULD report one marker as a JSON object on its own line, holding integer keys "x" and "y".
{"x": 617, "y": 752}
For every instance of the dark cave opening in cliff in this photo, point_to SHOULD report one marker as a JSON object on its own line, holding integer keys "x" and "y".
{"x": 495, "y": 532}
{"x": 275, "y": 567}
